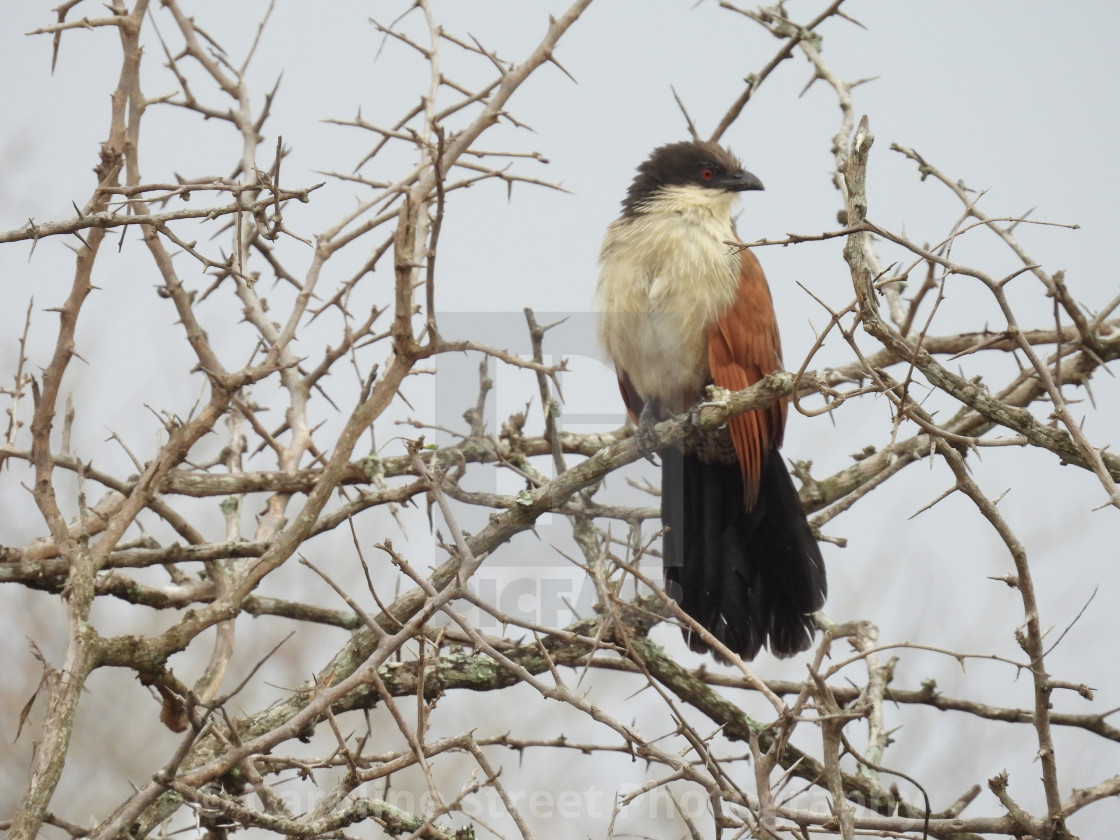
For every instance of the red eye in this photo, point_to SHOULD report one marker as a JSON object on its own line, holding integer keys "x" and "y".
{"x": 707, "y": 173}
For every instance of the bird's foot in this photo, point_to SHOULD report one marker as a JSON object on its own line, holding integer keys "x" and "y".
{"x": 646, "y": 436}
{"x": 694, "y": 414}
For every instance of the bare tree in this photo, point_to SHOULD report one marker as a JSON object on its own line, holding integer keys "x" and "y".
{"x": 302, "y": 344}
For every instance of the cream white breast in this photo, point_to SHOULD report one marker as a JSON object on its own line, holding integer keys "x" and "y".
{"x": 667, "y": 272}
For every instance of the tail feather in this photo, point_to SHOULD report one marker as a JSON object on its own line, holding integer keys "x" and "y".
{"x": 751, "y": 578}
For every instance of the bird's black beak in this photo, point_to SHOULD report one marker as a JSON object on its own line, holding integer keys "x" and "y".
{"x": 740, "y": 181}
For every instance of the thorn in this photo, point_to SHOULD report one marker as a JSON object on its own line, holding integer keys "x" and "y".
{"x": 560, "y": 321}
{"x": 808, "y": 85}
{"x": 684, "y": 111}
{"x": 563, "y": 69}
{"x": 849, "y": 18}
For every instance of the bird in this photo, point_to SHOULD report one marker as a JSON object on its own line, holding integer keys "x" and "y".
{"x": 682, "y": 305}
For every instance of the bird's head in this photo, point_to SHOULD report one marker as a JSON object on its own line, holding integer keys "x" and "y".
{"x": 691, "y": 165}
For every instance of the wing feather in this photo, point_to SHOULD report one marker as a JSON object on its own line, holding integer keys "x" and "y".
{"x": 743, "y": 347}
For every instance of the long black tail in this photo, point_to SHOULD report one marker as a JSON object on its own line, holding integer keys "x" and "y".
{"x": 749, "y": 577}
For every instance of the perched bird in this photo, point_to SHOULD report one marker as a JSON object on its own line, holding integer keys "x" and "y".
{"x": 681, "y": 308}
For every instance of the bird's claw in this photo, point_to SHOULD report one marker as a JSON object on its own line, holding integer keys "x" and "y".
{"x": 646, "y": 440}
{"x": 646, "y": 435}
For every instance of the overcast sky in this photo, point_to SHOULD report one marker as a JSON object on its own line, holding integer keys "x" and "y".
{"x": 1014, "y": 96}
